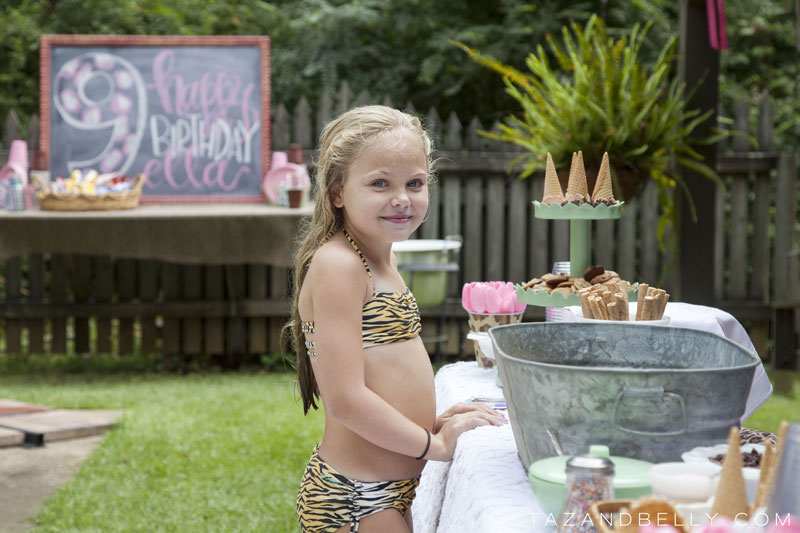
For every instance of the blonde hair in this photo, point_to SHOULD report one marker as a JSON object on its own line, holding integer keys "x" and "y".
{"x": 341, "y": 142}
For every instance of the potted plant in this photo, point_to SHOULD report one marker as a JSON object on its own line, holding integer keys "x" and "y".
{"x": 603, "y": 99}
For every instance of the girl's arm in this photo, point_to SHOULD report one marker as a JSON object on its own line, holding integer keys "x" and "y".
{"x": 337, "y": 283}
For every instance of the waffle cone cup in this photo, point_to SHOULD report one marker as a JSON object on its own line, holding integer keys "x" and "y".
{"x": 602, "y": 188}
{"x": 731, "y": 497}
{"x": 577, "y": 189}
{"x": 552, "y": 188}
{"x": 481, "y": 323}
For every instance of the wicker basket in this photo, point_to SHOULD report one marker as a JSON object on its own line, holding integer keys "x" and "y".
{"x": 53, "y": 201}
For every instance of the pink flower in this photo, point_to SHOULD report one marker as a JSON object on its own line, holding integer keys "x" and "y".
{"x": 490, "y": 298}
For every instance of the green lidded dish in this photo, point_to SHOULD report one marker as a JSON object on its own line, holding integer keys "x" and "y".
{"x": 547, "y": 478}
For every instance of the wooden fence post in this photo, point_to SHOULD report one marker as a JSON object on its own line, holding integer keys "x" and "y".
{"x": 785, "y": 218}
{"x": 698, "y": 61}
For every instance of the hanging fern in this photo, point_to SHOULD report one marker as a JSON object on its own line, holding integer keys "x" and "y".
{"x": 601, "y": 98}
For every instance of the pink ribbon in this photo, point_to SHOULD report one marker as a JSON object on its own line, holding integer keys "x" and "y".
{"x": 717, "y": 28}
{"x": 723, "y": 28}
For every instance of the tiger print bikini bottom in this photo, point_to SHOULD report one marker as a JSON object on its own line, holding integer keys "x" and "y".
{"x": 327, "y": 500}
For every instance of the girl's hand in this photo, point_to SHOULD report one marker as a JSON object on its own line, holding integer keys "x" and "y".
{"x": 466, "y": 407}
{"x": 443, "y": 443}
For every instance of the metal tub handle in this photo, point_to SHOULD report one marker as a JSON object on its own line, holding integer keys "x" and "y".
{"x": 654, "y": 393}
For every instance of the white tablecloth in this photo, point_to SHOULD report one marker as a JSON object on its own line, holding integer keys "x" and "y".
{"x": 485, "y": 487}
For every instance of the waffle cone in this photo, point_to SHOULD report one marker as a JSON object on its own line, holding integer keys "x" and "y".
{"x": 769, "y": 467}
{"x": 731, "y": 497}
{"x": 764, "y": 482}
{"x": 602, "y": 188}
{"x": 552, "y": 188}
{"x": 780, "y": 444}
{"x": 577, "y": 190}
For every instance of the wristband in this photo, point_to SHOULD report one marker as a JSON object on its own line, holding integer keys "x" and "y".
{"x": 427, "y": 446}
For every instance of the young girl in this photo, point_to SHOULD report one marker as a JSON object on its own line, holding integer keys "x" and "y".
{"x": 355, "y": 328}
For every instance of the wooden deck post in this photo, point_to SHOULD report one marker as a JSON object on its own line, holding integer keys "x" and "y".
{"x": 697, "y": 63}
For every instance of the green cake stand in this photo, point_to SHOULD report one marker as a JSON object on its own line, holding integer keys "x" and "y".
{"x": 579, "y": 217}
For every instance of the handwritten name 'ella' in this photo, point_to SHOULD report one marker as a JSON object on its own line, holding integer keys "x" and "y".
{"x": 206, "y": 124}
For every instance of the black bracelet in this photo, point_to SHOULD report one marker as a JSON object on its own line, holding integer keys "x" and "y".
{"x": 427, "y": 446}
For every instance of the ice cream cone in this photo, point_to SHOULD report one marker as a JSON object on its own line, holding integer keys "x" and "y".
{"x": 764, "y": 482}
{"x": 731, "y": 497}
{"x": 577, "y": 190}
{"x": 602, "y": 188}
{"x": 780, "y": 444}
{"x": 769, "y": 467}
{"x": 552, "y": 188}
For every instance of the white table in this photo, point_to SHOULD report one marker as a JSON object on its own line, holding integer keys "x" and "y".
{"x": 485, "y": 487}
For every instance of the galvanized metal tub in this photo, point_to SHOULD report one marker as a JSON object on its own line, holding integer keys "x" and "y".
{"x": 647, "y": 392}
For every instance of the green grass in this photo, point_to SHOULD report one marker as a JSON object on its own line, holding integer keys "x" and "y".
{"x": 202, "y": 452}
{"x": 218, "y": 452}
{"x": 784, "y": 404}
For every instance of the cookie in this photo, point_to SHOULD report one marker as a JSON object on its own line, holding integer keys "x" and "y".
{"x": 593, "y": 271}
{"x": 563, "y": 290}
{"x": 554, "y": 280}
{"x": 581, "y": 283}
{"x": 602, "y": 278}
{"x": 531, "y": 283}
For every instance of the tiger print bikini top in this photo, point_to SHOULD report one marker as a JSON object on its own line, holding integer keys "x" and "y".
{"x": 386, "y": 318}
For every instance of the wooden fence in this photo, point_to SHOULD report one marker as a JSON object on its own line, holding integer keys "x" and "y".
{"x": 475, "y": 197}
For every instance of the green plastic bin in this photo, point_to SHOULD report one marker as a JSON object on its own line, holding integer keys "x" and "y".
{"x": 424, "y": 264}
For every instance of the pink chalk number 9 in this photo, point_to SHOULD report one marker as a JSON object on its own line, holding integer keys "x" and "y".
{"x": 102, "y": 92}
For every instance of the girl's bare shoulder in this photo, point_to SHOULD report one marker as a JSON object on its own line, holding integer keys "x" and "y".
{"x": 336, "y": 266}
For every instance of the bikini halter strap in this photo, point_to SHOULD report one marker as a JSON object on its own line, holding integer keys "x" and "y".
{"x": 363, "y": 259}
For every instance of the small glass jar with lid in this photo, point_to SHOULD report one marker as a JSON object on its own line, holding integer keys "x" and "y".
{"x": 589, "y": 480}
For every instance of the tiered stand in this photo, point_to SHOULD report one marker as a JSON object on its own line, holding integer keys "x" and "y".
{"x": 579, "y": 217}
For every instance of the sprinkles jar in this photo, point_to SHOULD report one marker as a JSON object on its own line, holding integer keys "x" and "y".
{"x": 589, "y": 479}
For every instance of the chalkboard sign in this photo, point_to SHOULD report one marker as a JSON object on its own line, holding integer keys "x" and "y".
{"x": 191, "y": 113}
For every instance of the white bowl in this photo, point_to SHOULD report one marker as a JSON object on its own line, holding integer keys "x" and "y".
{"x": 696, "y": 514}
{"x": 703, "y": 454}
{"x": 685, "y": 482}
